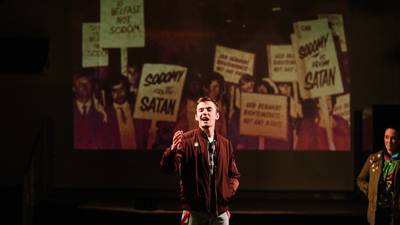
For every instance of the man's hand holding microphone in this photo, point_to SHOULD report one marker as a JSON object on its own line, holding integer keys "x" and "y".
{"x": 177, "y": 143}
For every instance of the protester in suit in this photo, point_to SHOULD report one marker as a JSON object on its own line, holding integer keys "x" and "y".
{"x": 121, "y": 115}
{"x": 124, "y": 132}
{"x": 89, "y": 117}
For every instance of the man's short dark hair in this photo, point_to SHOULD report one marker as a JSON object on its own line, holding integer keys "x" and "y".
{"x": 394, "y": 127}
{"x": 117, "y": 80}
{"x": 207, "y": 99}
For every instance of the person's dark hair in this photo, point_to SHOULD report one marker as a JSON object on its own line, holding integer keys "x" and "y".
{"x": 310, "y": 106}
{"x": 207, "y": 99}
{"x": 116, "y": 80}
{"x": 211, "y": 76}
{"x": 333, "y": 100}
{"x": 245, "y": 78}
{"x": 270, "y": 88}
{"x": 194, "y": 78}
{"x": 394, "y": 127}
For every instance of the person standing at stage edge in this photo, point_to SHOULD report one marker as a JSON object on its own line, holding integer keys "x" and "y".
{"x": 379, "y": 180}
{"x": 206, "y": 165}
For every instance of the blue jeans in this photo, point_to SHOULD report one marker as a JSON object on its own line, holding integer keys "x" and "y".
{"x": 200, "y": 218}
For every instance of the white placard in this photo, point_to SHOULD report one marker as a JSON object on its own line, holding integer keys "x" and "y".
{"x": 264, "y": 115}
{"x": 232, "y": 63}
{"x": 92, "y": 54}
{"x": 122, "y": 23}
{"x": 160, "y": 91}
{"x": 315, "y": 49}
{"x": 281, "y": 63}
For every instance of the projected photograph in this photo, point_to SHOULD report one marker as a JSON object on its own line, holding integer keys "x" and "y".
{"x": 281, "y": 79}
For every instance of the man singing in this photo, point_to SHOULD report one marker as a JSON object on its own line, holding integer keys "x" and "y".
{"x": 206, "y": 165}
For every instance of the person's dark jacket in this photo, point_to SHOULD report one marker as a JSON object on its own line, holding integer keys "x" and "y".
{"x": 194, "y": 171}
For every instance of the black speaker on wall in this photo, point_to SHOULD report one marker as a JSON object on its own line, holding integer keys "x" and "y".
{"x": 23, "y": 55}
{"x": 384, "y": 116}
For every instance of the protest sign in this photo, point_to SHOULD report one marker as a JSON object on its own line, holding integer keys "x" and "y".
{"x": 160, "y": 91}
{"x": 299, "y": 63}
{"x": 337, "y": 26}
{"x": 264, "y": 115}
{"x": 232, "y": 63}
{"x": 281, "y": 63}
{"x": 92, "y": 54}
{"x": 310, "y": 28}
{"x": 315, "y": 49}
{"x": 122, "y": 23}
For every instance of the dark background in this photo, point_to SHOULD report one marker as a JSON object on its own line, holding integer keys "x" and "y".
{"x": 32, "y": 101}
